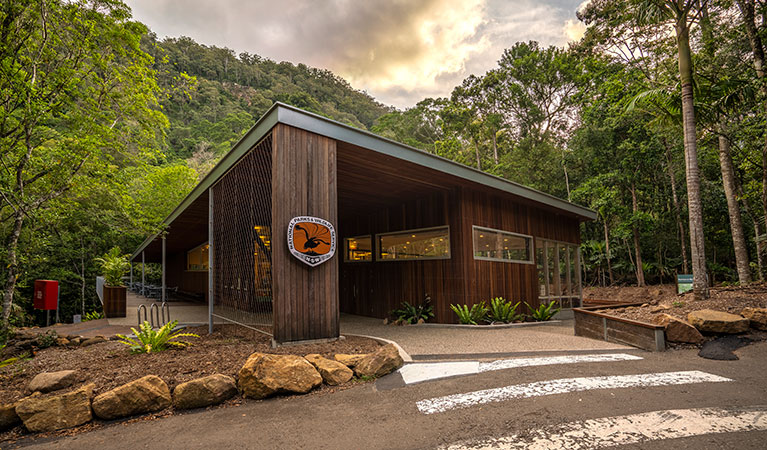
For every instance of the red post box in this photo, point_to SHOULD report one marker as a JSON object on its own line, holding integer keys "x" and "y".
{"x": 46, "y": 294}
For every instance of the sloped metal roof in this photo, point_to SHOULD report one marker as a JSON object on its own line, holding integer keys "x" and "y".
{"x": 289, "y": 115}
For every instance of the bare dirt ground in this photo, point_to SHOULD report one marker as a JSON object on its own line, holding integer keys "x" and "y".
{"x": 110, "y": 364}
{"x": 664, "y": 299}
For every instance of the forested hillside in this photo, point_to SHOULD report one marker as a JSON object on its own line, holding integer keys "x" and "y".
{"x": 655, "y": 119}
{"x": 216, "y": 95}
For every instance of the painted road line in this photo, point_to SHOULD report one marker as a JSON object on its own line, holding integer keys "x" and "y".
{"x": 418, "y": 372}
{"x": 551, "y": 360}
{"x": 563, "y": 386}
{"x": 630, "y": 429}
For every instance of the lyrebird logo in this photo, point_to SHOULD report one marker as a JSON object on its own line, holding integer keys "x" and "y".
{"x": 311, "y": 239}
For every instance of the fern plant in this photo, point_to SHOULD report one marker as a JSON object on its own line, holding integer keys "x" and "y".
{"x": 412, "y": 313}
{"x": 150, "y": 341}
{"x": 93, "y": 315}
{"x": 470, "y": 316}
{"x": 544, "y": 312}
{"x": 503, "y": 311}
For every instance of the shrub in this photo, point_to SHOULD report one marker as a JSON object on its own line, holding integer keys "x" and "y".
{"x": 544, "y": 312}
{"x": 148, "y": 340}
{"x": 48, "y": 339}
{"x": 503, "y": 311}
{"x": 114, "y": 266}
{"x": 412, "y": 313}
{"x": 93, "y": 315}
{"x": 471, "y": 316}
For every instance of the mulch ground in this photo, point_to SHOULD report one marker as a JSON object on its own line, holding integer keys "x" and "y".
{"x": 731, "y": 299}
{"x": 110, "y": 364}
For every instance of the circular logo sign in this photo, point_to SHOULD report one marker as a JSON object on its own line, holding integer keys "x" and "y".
{"x": 311, "y": 239}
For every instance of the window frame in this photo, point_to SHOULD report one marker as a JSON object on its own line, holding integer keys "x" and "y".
{"x": 531, "y": 250}
{"x": 377, "y": 244}
{"x": 187, "y": 269}
{"x": 372, "y": 249}
{"x": 575, "y": 284}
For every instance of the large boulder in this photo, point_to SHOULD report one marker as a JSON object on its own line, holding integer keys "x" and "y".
{"x": 710, "y": 321}
{"x": 333, "y": 372}
{"x": 678, "y": 330}
{"x": 8, "y": 416}
{"x": 265, "y": 374}
{"x": 92, "y": 341}
{"x": 206, "y": 391}
{"x": 52, "y": 381}
{"x": 379, "y": 363}
{"x": 349, "y": 361}
{"x": 757, "y": 317}
{"x": 49, "y": 413}
{"x": 147, "y": 394}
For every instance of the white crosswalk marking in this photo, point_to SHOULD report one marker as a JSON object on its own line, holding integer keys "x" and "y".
{"x": 551, "y": 360}
{"x": 562, "y": 386}
{"x": 630, "y": 429}
{"x": 418, "y": 372}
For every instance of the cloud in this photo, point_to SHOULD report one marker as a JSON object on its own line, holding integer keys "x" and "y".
{"x": 400, "y": 51}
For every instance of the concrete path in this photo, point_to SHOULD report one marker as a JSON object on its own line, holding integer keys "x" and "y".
{"x": 187, "y": 313}
{"x": 92, "y": 328}
{"x": 432, "y": 342}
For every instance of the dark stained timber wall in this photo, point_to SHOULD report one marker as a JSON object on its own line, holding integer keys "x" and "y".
{"x": 378, "y": 287}
{"x": 304, "y": 184}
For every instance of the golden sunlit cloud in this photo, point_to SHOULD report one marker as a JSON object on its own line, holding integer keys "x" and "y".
{"x": 435, "y": 40}
{"x": 574, "y": 30}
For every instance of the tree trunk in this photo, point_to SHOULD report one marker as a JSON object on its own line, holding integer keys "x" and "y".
{"x": 757, "y": 49}
{"x": 495, "y": 149}
{"x": 694, "y": 206}
{"x": 736, "y": 224}
{"x": 12, "y": 268}
{"x": 607, "y": 251}
{"x": 637, "y": 247}
{"x": 761, "y": 246}
{"x": 476, "y": 152}
{"x": 677, "y": 213}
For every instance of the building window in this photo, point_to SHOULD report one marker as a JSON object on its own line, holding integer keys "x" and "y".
{"x": 427, "y": 243}
{"x": 358, "y": 249}
{"x": 197, "y": 258}
{"x": 558, "y": 275}
{"x": 504, "y": 246}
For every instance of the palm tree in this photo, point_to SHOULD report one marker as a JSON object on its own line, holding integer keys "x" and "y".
{"x": 683, "y": 14}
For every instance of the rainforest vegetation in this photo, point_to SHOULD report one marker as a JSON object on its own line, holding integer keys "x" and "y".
{"x": 656, "y": 119}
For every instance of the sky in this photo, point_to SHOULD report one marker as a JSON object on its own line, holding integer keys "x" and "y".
{"x": 399, "y": 51}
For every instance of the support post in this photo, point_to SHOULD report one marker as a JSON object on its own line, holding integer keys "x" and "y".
{"x": 162, "y": 297}
{"x": 210, "y": 261}
{"x": 130, "y": 286}
{"x": 143, "y": 274}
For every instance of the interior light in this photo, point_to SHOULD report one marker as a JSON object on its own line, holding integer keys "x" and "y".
{"x": 481, "y": 235}
{"x": 412, "y": 235}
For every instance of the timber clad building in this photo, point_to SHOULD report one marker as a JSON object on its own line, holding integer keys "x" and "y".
{"x": 408, "y": 225}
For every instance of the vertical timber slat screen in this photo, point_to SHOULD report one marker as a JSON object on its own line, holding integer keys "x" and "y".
{"x": 242, "y": 240}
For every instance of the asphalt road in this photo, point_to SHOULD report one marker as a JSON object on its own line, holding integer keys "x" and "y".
{"x": 385, "y": 415}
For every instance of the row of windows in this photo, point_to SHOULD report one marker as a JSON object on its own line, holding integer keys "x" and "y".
{"x": 434, "y": 243}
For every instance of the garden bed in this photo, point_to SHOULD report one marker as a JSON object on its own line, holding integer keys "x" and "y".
{"x": 597, "y": 322}
{"x": 109, "y": 364}
{"x": 658, "y": 300}
{"x": 626, "y": 314}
